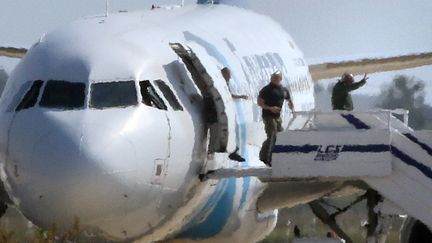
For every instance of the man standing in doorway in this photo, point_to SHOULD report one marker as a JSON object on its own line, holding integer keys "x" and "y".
{"x": 226, "y": 73}
{"x": 271, "y": 99}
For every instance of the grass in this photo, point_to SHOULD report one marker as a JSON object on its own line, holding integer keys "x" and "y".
{"x": 14, "y": 229}
{"x": 310, "y": 226}
{"x": 52, "y": 235}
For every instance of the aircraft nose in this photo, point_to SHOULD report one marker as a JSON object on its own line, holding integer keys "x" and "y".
{"x": 78, "y": 168}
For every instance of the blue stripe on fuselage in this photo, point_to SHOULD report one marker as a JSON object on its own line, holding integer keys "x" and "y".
{"x": 241, "y": 121}
{"x": 215, "y": 214}
{"x": 241, "y": 141}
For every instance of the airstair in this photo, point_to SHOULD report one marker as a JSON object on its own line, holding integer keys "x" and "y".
{"x": 377, "y": 148}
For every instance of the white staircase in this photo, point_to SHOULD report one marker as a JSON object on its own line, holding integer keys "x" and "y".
{"x": 374, "y": 147}
{"x": 410, "y": 183}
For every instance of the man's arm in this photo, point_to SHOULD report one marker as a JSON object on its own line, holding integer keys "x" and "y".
{"x": 236, "y": 96}
{"x": 290, "y": 104}
{"x": 288, "y": 99}
{"x": 357, "y": 85}
{"x": 262, "y": 104}
{"x": 245, "y": 97}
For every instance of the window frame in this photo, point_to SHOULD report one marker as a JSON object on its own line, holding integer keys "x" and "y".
{"x": 19, "y": 107}
{"x": 148, "y": 83}
{"x": 90, "y": 90}
{"x": 44, "y": 87}
{"x": 20, "y": 94}
{"x": 169, "y": 95}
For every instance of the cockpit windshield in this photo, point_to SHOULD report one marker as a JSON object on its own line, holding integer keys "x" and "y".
{"x": 150, "y": 96}
{"x": 63, "y": 95}
{"x": 113, "y": 94}
{"x": 30, "y": 98}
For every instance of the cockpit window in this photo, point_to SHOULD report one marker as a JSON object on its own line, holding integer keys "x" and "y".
{"x": 113, "y": 94}
{"x": 63, "y": 95}
{"x": 150, "y": 97}
{"x": 169, "y": 95}
{"x": 30, "y": 98}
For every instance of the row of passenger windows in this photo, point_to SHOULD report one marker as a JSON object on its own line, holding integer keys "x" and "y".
{"x": 69, "y": 96}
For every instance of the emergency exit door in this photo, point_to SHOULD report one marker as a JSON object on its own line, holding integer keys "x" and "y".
{"x": 220, "y": 130}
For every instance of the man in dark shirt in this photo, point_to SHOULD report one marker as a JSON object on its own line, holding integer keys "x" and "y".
{"x": 271, "y": 99}
{"x": 341, "y": 97}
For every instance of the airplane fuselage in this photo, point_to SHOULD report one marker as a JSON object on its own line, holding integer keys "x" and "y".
{"x": 102, "y": 122}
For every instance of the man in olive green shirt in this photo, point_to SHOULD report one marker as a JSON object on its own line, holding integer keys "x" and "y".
{"x": 341, "y": 97}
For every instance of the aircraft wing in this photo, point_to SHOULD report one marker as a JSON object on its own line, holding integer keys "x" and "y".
{"x": 12, "y": 52}
{"x": 369, "y": 65}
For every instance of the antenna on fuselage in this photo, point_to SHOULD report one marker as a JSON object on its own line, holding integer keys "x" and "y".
{"x": 106, "y": 8}
{"x": 208, "y": 2}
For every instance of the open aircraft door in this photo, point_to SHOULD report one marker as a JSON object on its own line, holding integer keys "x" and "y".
{"x": 215, "y": 95}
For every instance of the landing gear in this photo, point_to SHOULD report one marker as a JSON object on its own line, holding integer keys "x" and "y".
{"x": 328, "y": 219}
{"x": 378, "y": 225}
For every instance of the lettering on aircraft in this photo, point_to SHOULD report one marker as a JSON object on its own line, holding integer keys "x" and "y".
{"x": 328, "y": 153}
{"x": 258, "y": 68}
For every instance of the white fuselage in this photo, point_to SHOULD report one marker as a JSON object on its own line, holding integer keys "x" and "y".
{"x": 128, "y": 170}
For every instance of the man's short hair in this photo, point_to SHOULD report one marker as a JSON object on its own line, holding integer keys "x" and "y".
{"x": 347, "y": 75}
{"x": 225, "y": 70}
{"x": 276, "y": 75}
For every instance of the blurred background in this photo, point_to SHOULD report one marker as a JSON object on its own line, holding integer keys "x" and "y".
{"x": 326, "y": 30}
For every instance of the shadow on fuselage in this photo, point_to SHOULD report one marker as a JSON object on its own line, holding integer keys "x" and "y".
{"x": 191, "y": 100}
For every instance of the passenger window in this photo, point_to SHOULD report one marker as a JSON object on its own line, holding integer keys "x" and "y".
{"x": 150, "y": 97}
{"x": 169, "y": 95}
{"x": 30, "y": 98}
{"x": 113, "y": 94}
{"x": 63, "y": 95}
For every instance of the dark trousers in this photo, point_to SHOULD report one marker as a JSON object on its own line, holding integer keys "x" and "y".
{"x": 272, "y": 126}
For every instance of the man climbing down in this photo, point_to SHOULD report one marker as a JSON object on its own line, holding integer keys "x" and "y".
{"x": 271, "y": 99}
{"x": 226, "y": 73}
{"x": 341, "y": 97}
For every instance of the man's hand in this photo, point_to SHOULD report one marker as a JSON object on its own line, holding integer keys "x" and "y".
{"x": 291, "y": 105}
{"x": 275, "y": 109}
{"x": 365, "y": 77}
